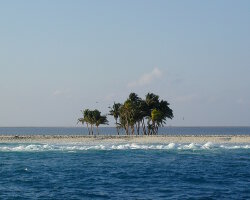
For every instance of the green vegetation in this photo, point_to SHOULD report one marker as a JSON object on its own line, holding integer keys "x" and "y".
{"x": 93, "y": 117}
{"x": 115, "y": 112}
{"x": 135, "y": 115}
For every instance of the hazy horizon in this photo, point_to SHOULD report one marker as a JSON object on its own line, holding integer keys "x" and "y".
{"x": 108, "y": 126}
{"x": 59, "y": 57}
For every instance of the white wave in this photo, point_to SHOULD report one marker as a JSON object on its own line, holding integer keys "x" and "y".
{"x": 171, "y": 146}
{"x": 235, "y": 147}
{"x": 208, "y": 145}
{"x": 118, "y": 146}
{"x": 30, "y": 147}
{"x": 188, "y": 146}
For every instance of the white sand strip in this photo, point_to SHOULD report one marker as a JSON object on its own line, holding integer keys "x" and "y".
{"x": 125, "y": 139}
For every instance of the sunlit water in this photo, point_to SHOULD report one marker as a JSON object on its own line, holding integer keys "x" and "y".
{"x": 124, "y": 171}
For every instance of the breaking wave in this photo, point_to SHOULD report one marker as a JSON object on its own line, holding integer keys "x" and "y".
{"x": 105, "y": 146}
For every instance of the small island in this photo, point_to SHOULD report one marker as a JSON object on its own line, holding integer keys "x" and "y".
{"x": 137, "y": 120}
{"x": 136, "y": 116}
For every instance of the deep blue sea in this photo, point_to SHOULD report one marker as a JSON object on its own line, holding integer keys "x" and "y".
{"x": 125, "y": 170}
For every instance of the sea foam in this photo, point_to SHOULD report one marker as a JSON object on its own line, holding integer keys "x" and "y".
{"x": 120, "y": 146}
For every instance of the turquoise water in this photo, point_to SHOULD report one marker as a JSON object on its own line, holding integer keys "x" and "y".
{"x": 124, "y": 171}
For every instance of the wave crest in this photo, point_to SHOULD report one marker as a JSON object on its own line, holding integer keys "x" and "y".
{"x": 127, "y": 146}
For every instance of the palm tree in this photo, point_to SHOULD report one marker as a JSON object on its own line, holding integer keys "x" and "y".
{"x": 133, "y": 113}
{"x": 85, "y": 118}
{"x": 136, "y": 114}
{"x": 102, "y": 120}
{"x": 157, "y": 112}
{"x": 152, "y": 102}
{"x": 164, "y": 107}
{"x": 91, "y": 119}
{"x": 98, "y": 119}
{"x": 126, "y": 115}
{"x": 115, "y": 112}
{"x": 143, "y": 114}
{"x": 81, "y": 120}
{"x": 157, "y": 120}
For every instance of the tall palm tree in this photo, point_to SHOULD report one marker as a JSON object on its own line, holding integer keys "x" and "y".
{"x": 91, "y": 120}
{"x": 136, "y": 112}
{"x": 126, "y": 115}
{"x": 152, "y": 102}
{"x": 157, "y": 120}
{"x": 85, "y": 119}
{"x": 157, "y": 112}
{"x": 102, "y": 120}
{"x": 99, "y": 119}
{"x": 143, "y": 114}
{"x": 115, "y": 112}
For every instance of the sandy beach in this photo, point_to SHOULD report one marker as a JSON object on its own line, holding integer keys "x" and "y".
{"x": 125, "y": 139}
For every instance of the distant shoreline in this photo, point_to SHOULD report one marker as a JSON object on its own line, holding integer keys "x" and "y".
{"x": 125, "y": 138}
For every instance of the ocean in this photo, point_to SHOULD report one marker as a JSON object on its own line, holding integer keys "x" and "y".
{"x": 112, "y": 131}
{"x": 125, "y": 170}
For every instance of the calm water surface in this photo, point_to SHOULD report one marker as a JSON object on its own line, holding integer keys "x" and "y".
{"x": 112, "y": 131}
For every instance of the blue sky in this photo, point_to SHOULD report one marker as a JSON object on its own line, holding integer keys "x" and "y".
{"x": 58, "y": 57}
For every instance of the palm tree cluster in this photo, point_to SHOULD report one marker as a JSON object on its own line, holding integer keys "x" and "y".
{"x": 93, "y": 118}
{"x": 136, "y": 113}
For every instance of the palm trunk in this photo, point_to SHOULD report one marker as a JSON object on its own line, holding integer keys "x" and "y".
{"x": 144, "y": 128}
{"x": 152, "y": 131}
{"x": 138, "y": 128}
{"x": 92, "y": 129}
{"x": 97, "y": 130}
{"x": 155, "y": 128}
{"x": 117, "y": 129}
{"x": 127, "y": 127}
{"x": 149, "y": 128}
{"x": 88, "y": 128}
{"x": 133, "y": 130}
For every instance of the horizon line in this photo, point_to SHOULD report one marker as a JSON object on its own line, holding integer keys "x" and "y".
{"x": 192, "y": 126}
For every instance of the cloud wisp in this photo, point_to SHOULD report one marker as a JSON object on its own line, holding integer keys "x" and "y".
{"x": 146, "y": 79}
{"x": 57, "y": 92}
{"x": 63, "y": 92}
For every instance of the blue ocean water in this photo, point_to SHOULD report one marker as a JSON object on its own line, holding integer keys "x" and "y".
{"x": 112, "y": 131}
{"x": 125, "y": 170}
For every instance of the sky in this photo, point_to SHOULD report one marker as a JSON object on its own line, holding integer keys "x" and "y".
{"x": 59, "y": 57}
